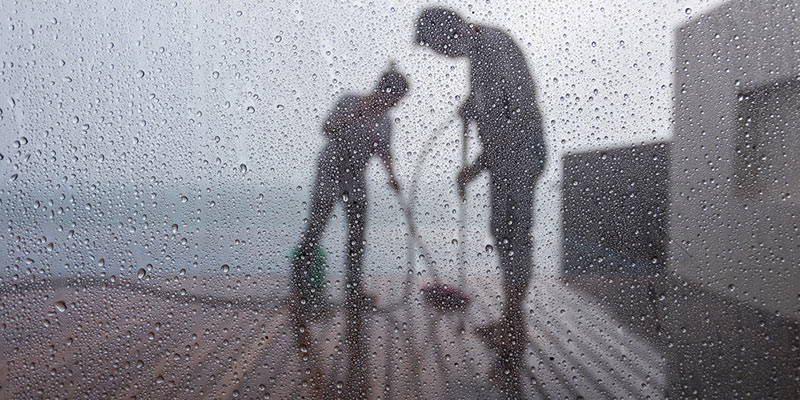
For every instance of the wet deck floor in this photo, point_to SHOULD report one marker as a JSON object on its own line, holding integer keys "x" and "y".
{"x": 216, "y": 338}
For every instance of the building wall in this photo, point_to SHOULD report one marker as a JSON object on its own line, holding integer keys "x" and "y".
{"x": 614, "y": 209}
{"x": 729, "y": 238}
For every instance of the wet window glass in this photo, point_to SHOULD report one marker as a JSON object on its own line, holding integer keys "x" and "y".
{"x": 394, "y": 200}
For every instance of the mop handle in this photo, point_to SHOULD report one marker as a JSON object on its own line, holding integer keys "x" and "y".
{"x": 462, "y": 209}
{"x": 412, "y": 227}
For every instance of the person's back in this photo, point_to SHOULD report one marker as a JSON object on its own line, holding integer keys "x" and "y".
{"x": 348, "y": 150}
{"x": 504, "y": 104}
{"x": 502, "y": 101}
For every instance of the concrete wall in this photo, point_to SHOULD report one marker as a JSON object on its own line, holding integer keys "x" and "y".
{"x": 742, "y": 244}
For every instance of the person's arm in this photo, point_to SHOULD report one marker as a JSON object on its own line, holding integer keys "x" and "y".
{"x": 393, "y": 182}
{"x": 467, "y": 109}
{"x": 385, "y": 153}
{"x": 469, "y": 173}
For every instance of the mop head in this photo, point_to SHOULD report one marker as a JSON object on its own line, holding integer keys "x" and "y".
{"x": 445, "y": 298}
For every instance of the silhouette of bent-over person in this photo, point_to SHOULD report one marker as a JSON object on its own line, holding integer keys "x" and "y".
{"x": 502, "y": 101}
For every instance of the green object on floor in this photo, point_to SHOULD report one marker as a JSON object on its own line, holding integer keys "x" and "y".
{"x": 316, "y": 270}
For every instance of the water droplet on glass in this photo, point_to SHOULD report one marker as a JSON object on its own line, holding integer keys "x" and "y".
{"x": 278, "y": 38}
{"x": 489, "y": 249}
{"x": 141, "y": 273}
{"x": 251, "y": 109}
{"x": 61, "y": 306}
{"x": 140, "y": 74}
{"x": 226, "y": 268}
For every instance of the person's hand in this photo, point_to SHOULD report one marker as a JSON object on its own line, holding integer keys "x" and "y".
{"x": 463, "y": 113}
{"x": 394, "y": 185}
{"x": 466, "y": 111}
{"x": 464, "y": 176}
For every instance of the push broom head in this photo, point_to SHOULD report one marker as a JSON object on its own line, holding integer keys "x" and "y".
{"x": 445, "y": 298}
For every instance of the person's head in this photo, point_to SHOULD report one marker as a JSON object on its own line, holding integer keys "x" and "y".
{"x": 444, "y": 31}
{"x": 391, "y": 87}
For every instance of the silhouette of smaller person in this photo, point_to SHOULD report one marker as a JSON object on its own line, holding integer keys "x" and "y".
{"x": 357, "y": 129}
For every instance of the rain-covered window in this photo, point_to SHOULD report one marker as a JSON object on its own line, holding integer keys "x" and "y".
{"x": 399, "y": 200}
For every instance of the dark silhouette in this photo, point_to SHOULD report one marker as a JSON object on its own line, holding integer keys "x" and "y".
{"x": 357, "y": 129}
{"x": 502, "y": 101}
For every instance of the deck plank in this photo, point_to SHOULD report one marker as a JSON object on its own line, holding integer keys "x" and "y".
{"x": 164, "y": 342}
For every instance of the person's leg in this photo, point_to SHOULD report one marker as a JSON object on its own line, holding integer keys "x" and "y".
{"x": 501, "y": 223}
{"x": 323, "y": 198}
{"x": 510, "y": 222}
{"x": 516, "y": 257}
{"x": 517, "y": 268}
{"x": 355, "y": 306}
{"x": 356, "y": 210}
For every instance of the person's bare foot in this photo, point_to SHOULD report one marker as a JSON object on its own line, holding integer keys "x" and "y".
{"x": 489, "y": 334}
{"x": 370, "y": 301}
